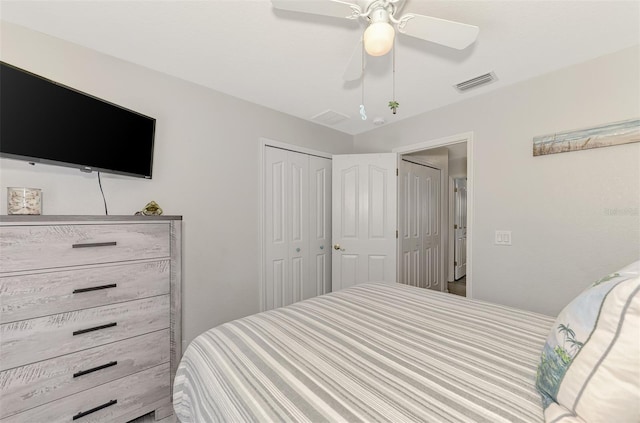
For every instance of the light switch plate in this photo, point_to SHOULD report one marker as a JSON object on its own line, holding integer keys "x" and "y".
{"x": 503, "y": 237}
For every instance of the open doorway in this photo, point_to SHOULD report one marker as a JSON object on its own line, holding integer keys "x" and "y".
{"x": 434, "y": 218}
{"x": 457, "y": 227}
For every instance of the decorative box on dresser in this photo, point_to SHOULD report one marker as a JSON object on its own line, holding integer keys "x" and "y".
{"x": 90, "y": 317}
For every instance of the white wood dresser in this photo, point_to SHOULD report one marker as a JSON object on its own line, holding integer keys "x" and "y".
{"x": 90, "y": 317}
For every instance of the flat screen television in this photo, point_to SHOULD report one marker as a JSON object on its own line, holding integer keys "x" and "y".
{"x": 42, "y": 121}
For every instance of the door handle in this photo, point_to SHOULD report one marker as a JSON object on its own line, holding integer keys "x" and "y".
{"x": 337, "y": 247}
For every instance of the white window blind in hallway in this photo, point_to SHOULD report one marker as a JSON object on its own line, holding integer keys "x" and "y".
{"x": 297, "y": 227}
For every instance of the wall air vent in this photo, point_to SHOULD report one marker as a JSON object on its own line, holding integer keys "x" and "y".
{"x": 474, "y": 82}
{"x": 329, "y": 117}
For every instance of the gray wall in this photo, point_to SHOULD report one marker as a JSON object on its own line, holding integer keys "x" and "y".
{"x": 206, "y": 167}
{"x": 574, "y": 216}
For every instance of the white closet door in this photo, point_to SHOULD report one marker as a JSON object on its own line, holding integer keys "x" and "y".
{"x": 298, "y": 226}
{"x": 431, "y": 232}
{"x": 411, "y": 216}
{"x": 319, "y": 227}
{"x": 276, "y": 237}
{"x": 420, "y": 225}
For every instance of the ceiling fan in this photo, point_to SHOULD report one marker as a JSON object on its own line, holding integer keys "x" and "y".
{"x": 378, "y": 38}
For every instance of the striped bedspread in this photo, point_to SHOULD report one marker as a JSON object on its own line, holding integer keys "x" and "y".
{"x": 374, "y": 352}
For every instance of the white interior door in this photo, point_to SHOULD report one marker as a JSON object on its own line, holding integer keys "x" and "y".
{"x": 364, "y": 201}
{"x": 460, "y": 228}
{"x": 420, "y": 235}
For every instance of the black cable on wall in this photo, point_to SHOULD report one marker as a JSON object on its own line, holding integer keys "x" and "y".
{"x": 106, "y": 212}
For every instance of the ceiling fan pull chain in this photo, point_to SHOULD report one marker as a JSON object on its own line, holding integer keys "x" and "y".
{"x": 393, "y": 104}
{"x": 394, "y": 69}
{"x": 363, "y": 113}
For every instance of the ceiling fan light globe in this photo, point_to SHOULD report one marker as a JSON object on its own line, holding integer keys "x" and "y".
{"x": 378, "y": 38}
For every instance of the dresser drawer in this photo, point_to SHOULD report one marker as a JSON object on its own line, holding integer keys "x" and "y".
{"x": 27, "y": 341}
{"x": 40, "y": 294}
{"x": 25, "y": 387}
{"x": 43, "y": 247}
{"x": 104, "y": 403}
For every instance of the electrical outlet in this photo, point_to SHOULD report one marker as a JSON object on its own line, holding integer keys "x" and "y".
{"x": 503, "y": 238}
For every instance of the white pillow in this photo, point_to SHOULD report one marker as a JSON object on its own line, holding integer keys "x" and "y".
{"x": 590, "y": 365}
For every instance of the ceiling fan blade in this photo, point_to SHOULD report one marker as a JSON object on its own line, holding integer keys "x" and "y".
{"x": 441, "y": 31}
{"x": 354, "y": 67}
{"x": 335, "y": 8}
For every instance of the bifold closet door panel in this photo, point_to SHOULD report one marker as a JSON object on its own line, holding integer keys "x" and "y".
{"x": 431, "y": 234}
{"x": 297, "y": 227}
{"x": 319, "y": 227}
{"x": 276, "y": 228}
{"x": 420, "y": 225}
{"x": 411, "y": 216}
{"x": 298, "y": 219}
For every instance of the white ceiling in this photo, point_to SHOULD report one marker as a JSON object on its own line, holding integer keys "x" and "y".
{"x": 294, "y": 62}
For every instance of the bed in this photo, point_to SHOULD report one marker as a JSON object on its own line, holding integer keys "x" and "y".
{"x": 373, "y": 352}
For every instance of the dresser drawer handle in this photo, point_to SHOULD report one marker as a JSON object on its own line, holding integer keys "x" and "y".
{"x": 108, "y": 325}
{"x": 95, "y": 288}
{"x": 95, "y": 244}
{"x": 93, "y": 410}
{"x": 95, "y": 369}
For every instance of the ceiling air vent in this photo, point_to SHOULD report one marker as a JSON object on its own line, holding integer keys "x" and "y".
{"x": 474, "y": 82}
{"x": 329, "y": 117}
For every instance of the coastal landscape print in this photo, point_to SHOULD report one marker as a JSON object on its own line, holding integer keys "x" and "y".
{"x": 617, "y": 133}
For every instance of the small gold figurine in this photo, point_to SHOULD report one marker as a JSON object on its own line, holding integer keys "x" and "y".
{"x": 151, "y": 209}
